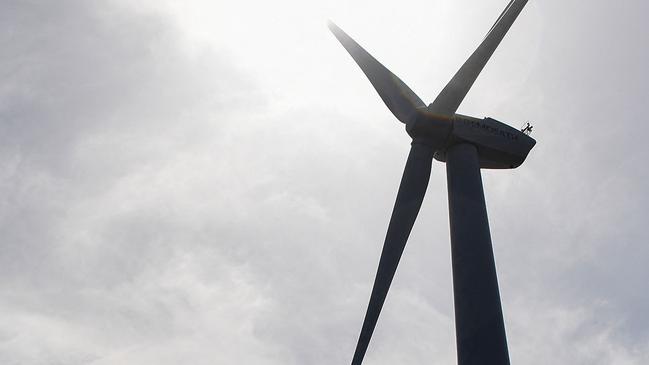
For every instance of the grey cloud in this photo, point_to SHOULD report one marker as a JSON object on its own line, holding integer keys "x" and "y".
{"x": 97, "y": 105}
{"x": 152, "y": 211}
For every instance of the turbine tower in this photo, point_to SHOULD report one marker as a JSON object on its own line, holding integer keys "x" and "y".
{"x": 466, "y": 144}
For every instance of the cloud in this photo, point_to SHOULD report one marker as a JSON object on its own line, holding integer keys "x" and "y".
{"x": 158, "y": 205}
{"x": 104, "y": 114}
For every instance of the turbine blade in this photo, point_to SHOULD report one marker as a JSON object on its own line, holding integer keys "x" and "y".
{"x": 452, "y": 95}
{"x": 396, "y": 95}
{"x": 411, "y": 193}
{"x": 500, "y": 17}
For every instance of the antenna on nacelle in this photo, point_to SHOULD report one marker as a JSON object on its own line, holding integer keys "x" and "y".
{"x": 527, "y": 129}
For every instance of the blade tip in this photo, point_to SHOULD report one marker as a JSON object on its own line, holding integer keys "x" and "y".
{"x": 335, "y": 29}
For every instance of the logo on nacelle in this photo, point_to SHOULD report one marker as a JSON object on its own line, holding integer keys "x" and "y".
{"x": 489, "y": 129}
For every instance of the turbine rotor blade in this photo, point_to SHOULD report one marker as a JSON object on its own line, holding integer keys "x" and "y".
{"x": 396, "y": 95}
{"x": 453, "y": 94}
{"x": 409, "y": 198}
{"x": 500, "y": 17}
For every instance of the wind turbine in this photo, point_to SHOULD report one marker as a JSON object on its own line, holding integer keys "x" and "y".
{"x": 466, "y": 144}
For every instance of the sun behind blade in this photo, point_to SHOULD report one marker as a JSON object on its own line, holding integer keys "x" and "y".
{"x": 452, "y": 95}
{"x": 398, "y": 97}
{"x": 411, "y": 193}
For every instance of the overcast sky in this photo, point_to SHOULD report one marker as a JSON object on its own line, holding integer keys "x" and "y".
{"x": 209, "y": 182}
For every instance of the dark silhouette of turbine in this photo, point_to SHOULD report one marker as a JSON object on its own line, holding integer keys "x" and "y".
{"x": 466, "y": 144}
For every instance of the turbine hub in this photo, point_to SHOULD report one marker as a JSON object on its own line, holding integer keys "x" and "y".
{"x": 429, "y": 128}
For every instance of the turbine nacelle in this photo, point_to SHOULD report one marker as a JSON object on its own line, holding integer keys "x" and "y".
{"x": 499, "y": 145}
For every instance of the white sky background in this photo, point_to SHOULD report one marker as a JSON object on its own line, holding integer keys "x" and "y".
{"x": 210, "y": 182}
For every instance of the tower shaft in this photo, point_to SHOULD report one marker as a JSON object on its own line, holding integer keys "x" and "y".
{"x": 480, "y": 330}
